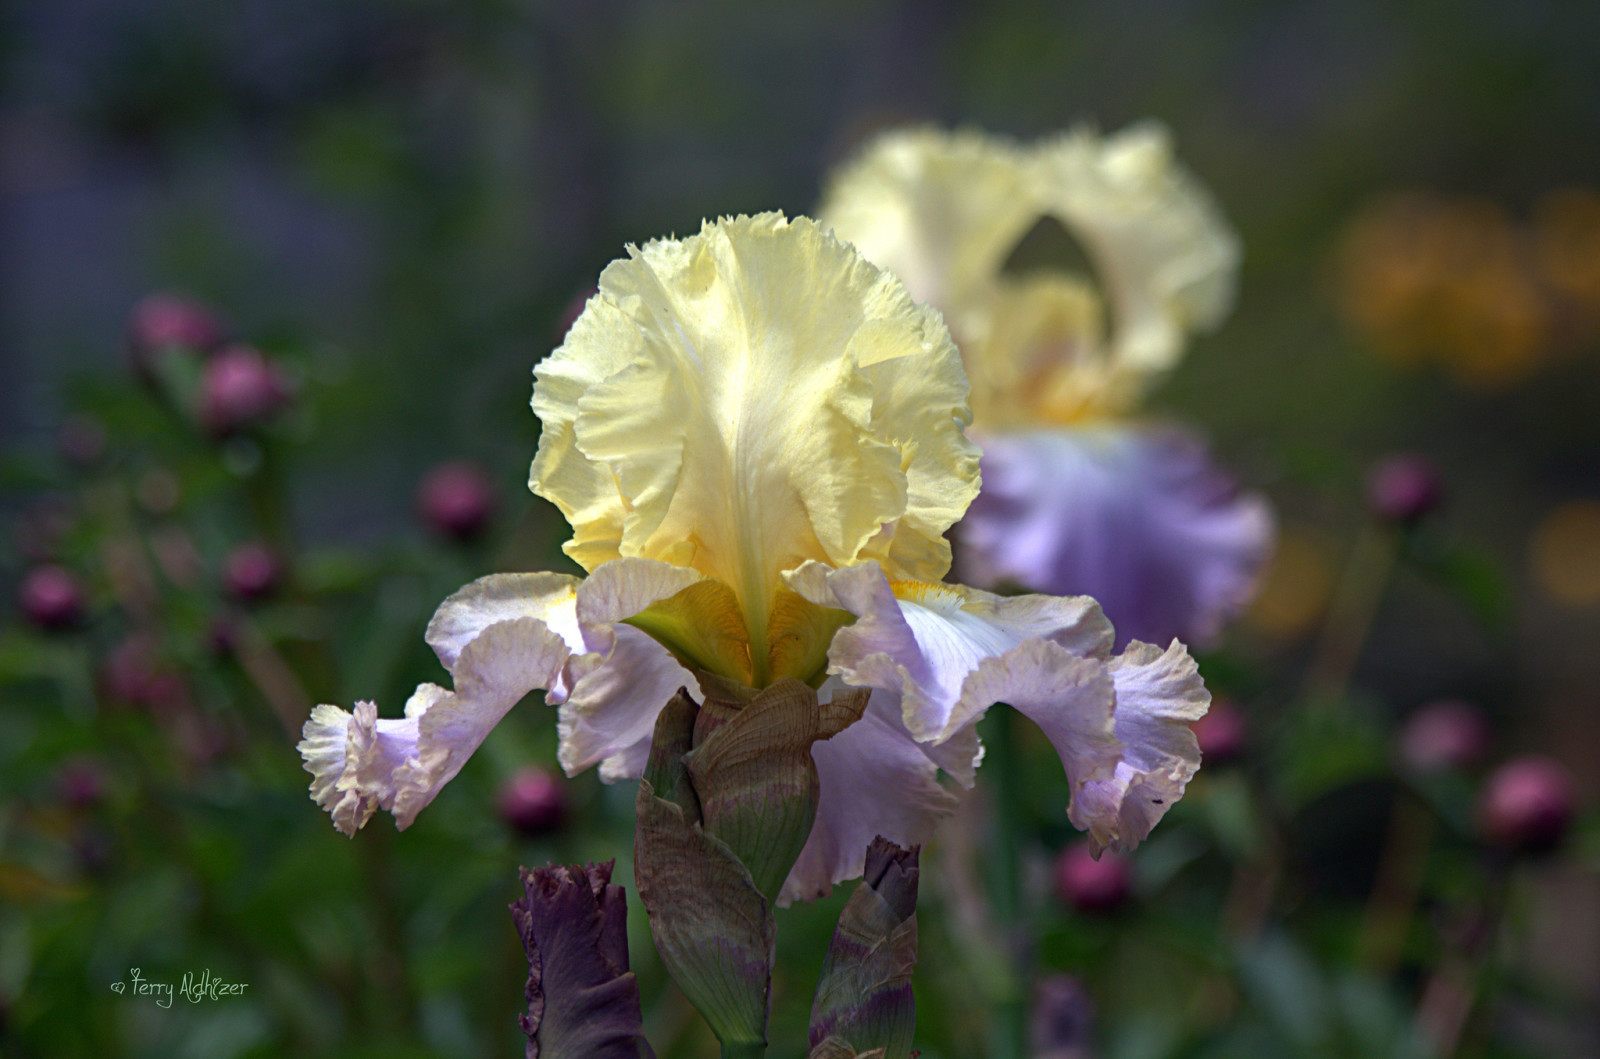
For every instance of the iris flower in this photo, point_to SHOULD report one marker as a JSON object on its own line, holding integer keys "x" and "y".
{"x": 1077, "y": 496}
{"x": 758, "y": 439}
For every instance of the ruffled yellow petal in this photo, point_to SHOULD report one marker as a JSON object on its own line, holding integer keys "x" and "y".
{"x": 749, "y": 398}
{"x": 946, "y": 210}
{"x": 940, "y": 210}
{"x": 1165, "y": 257}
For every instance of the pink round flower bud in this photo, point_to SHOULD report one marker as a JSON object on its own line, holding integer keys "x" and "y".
{"x": 165, "y": 323}
{"x": 533, "y": 802}
{"x": 1447, "y": 734}
{"x": 251, "y": 572}
{"x": 1527, "y": 804}
{"x": 456, "y": 500}
{"x": 1404, "y": 487}
{"x": 1091, "y": 885}
{"x": 51, "y": 598}
{"x": 239, "y": 389}
{"x": 1221, "y": 733}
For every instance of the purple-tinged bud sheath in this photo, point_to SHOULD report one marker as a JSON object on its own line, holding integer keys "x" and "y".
{"x": 1527, "y": 804}
{"x": 1403, "y": 488}
{"x": 583, "y": 1002}
{"x": 51, "y": 598}
{"x": 864, "y": 997}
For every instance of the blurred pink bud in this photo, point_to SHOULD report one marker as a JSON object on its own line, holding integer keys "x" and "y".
{"x": 51, "y": 598}
{"x": 251, "y": 572}
{"x": 81, "y": 783}
{"x": 456, "y": 500}
{"x": 1527, "y": 804}
{"x": 238, "y": 389}
{"x": 169, "y": 319}
{"x": 533, "y": 802}
{"x": 1446, "y": 734}
{"x": 1404, "y": 487}
{"x": 1091, "y": 885}
{"x": 1221, "y": 733}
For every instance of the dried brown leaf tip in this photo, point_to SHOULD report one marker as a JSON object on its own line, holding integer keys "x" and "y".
{"x": 583, "y": 1002}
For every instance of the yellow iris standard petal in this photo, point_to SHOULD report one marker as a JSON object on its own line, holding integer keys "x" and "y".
{"x": 946, "y": 211}
{"x": 940, "y": 210}
{"x": 749, "y": 398}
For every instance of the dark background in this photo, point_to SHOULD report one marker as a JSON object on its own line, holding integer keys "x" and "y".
{"x": 403, "y": 199}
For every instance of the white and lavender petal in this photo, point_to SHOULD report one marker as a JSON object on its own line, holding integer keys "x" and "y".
{"x": 1159, "y": 695}
{"x": 920, "y": 640}
{"x": 875, "y": 780}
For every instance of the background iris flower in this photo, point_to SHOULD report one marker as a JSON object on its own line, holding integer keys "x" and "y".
{"x": 1077, "y": 496}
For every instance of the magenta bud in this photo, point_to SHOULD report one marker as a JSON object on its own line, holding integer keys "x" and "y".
{"x": 1447, "y": 734}
{"x": 1091, "y": 885}
{"x": 165, "y": 321}
{"x": 51, "y": 598}
{"x": 81, "y": 783}
{"x": 238, "y": 389}
{"x": 1221, "y": 733}
{"x": 533, "y": 802}
{"x": 456, "y": 500}
{"x": 1527, "y": 804}
{"x": 1404, "y": 487}
{"x": 250, "y": 572}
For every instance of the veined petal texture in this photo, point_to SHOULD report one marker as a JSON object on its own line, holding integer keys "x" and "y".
{"x": 751, "y": 397}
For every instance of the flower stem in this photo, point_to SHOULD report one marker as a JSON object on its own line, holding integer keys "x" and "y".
{"x": 1351, "y": 611}
{"x": 1007, "y": 1031}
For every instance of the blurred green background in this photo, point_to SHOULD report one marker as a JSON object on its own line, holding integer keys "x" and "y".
{"x": 400, "y": 202}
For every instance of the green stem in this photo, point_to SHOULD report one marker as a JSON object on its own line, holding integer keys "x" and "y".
{"x": 1351, "y": 611}
{"x": 1008, "y": 1030}
{"x": 743, "y": 1049}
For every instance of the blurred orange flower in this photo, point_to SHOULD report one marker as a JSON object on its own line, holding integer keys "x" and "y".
{"x": 1447, "y": 282}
